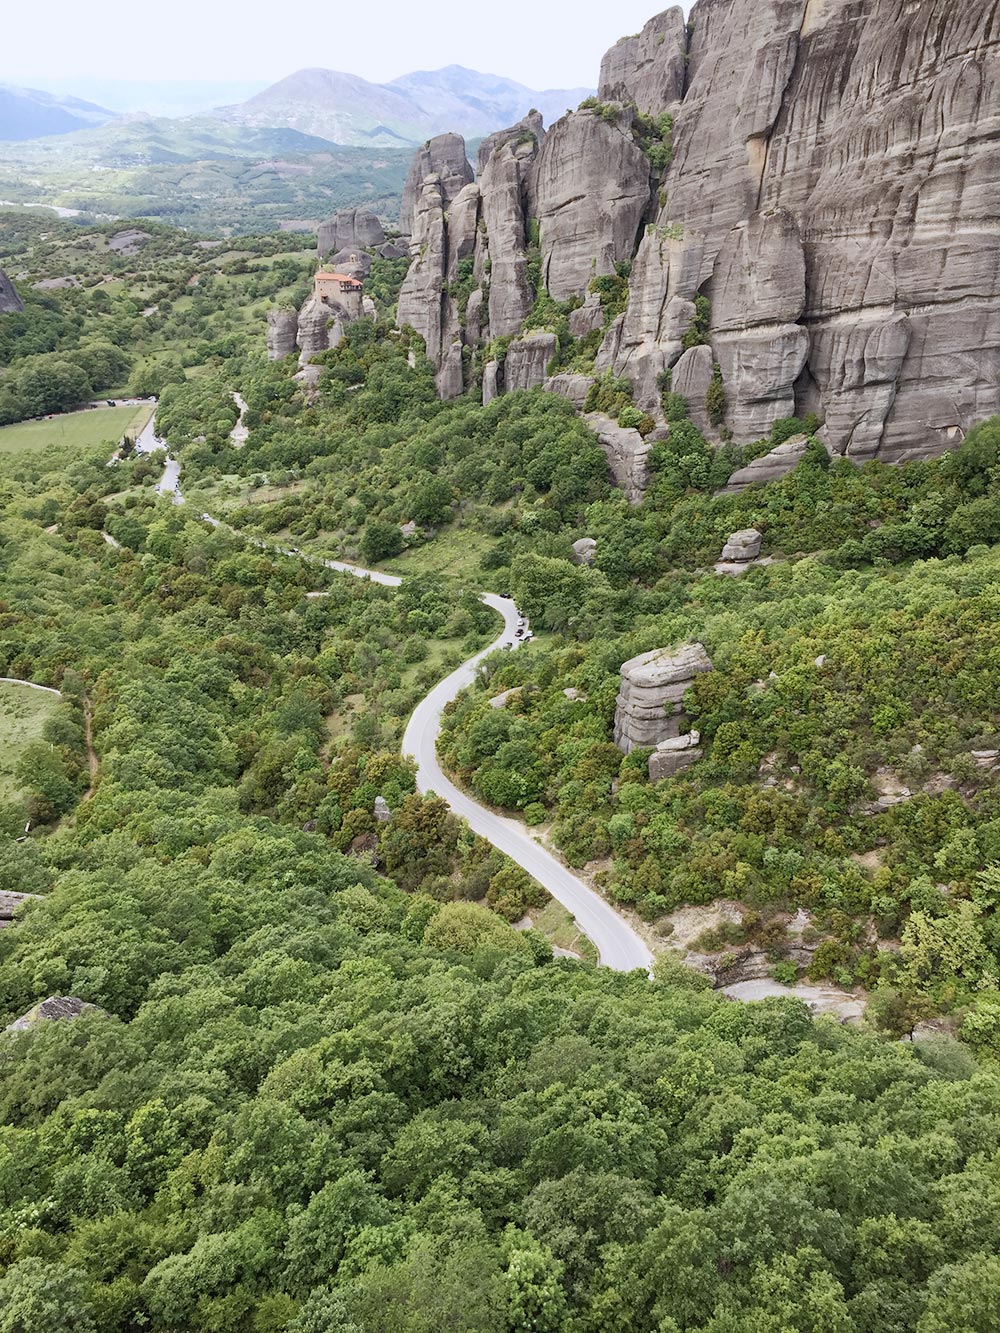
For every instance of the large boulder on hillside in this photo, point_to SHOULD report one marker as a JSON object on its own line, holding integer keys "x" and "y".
{"x": 650, "y": 700}
{"x": 55, "y": 1009}
{"x": 772, "y": 466}
{"x": 282, "y": 333}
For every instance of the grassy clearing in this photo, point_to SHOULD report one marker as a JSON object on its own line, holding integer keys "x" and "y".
{"x": 79, "y": 430}
{"x": 23, "y": 714}
{"x": 456, "y": 551}
{"x": 560, "y": 929}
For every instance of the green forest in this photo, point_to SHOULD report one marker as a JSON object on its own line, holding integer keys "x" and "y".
{"x": 320, "y": 1080}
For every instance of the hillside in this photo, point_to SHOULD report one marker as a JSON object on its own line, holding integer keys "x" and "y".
{"x": 26, "y": 113}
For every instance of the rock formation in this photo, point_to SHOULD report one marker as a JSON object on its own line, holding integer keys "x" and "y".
{"x": 10, "y": 302}
{"x": 832, "y": 192}
{"x": 673, "y": 755}
{"x": 743, "y": 546}
{"x": 591, "y": 192}
{"x": 282, "y": 333}
{"x": 772, "y": 466}
{"x": 626, "y": 451}
{"x": 650, "y": 701}
{"x": 350, "y": 229}
{"x": 56, "y": 1007}
{"x": 584, "y": 550}
{"x": 9, "y": 903}
{"x": 647, "y": 71}
{"x": 444, "y": 157}
{"x": 527, "y": 359}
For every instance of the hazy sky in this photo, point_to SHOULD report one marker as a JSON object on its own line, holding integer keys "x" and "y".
{"x": 542, "y": 44}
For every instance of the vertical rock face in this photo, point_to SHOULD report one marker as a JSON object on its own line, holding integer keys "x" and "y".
{"x": 650, "y": 705}
{"x": 282, "y": 333}
{"x": 873, "y": 124}
{"x": 421, "y": 295}
{"x": 626, "y": 451}
{"x": 647, "y": 71}
{"x": 10, "y": 302}
{"x": 350, "y": 229}
{"x": 444, "y": 157}
{"x": 505, "y": 217}
{"x": 591, "y": 192}
{"x": 527, "y": 359}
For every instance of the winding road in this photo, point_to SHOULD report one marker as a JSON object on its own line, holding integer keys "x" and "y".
{"x": 619, "y": 947}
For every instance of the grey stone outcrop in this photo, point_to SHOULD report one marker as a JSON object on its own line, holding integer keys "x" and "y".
{"x": 650, "y": 700}
{"x": 571, "y": 386}
{"x": 55, "y": 1008}
{"x": 692, "y": 375}
{"x": 504, "y": 185}
{"x": 527, "y": 359}
{"x": 10, "y": 302}
{"x": 647, "y": 71}
{"x": 584, "y": 549}
{"x": 742, "y": 546}
{"x": 420, "y": 298}
{"x": 443, "y": 156}
{"x": 675, "y": 754}
{"x": 282, "y": 333}
{"x": 627, "y": 454}
{"x": 350, "y": 229}
{"x": 531, "y": 126}
{"x": 9, "y": 903}
{"x": 591, "y": 191}
{"x": 771, "y": 467}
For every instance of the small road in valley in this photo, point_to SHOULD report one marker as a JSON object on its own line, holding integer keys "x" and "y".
{"x": 619, "y": 947}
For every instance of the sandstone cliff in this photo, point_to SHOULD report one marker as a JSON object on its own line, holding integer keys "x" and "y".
{"x": 832, "y": 193}
{"x": 10, "y": 302}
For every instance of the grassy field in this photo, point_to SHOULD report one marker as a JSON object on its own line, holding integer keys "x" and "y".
{"x": 561, "y": 930}
{"x": 23, "y": 713}
{"x": 81, "y": 430}
{"x": 455, "y": 551}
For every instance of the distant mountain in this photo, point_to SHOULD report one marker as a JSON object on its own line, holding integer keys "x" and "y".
{"x": 156, "y": 97}
{"x": 28, "y": 113}
{"x": 350, "y": 110}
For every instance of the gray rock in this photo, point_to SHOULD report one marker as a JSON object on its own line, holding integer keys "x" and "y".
{"x": 393, "y": 250}
{"x": 444, "y": 157}
{"x": 588, "y": 318}
{"x": 570, "y": 386}
{"x": 9, "y": 903}
{"x": 872, "y": 126}
{"x": 532, "y": 125}
{"x": 760, "y": 369}
{"x": 665, "y": 278}
{"x": 319, "y": 329}
{"x": 692, "y": 376}
{"x": 647, "y": 71}
{"x": 650, "y": 701}
{"x": 10, "y": 302}
{"x": 462, "y": 221}
{"x": 591, "y": 187}
{"x": 674, "y": 755}
{"x": 743, "y": 546}
{"x": 583, "y": 551}
{"x": 128, "y": 242}
{"x": 504, "y": 187}
{"x": 354, "y": 262}
{"x": 527, "y": 359}
{"x": 627, "y": 454}
{"x": 491, "y": 382}
{"x": 350, "y": 229}
{"x": 382, "y": 812}
{"x": 420, "y": 298}
{"x": 282, "y": 333}
{"x": 771, "y": 467}
{"x": 53, "y": 1009}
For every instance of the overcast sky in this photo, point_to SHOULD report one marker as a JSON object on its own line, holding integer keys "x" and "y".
{"x": 544, "y": 45}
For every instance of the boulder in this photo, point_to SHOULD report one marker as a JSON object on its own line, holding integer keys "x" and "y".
{"x": 650, "y": 701}
{"x": 282, "y": 333}
{"x": 128, "y": 242}
{"x": 673, "y": 755}
{"x": 355, "y": 263}
{"x": 444, "y": 157}
{"x": 350, "y": 229}
{"x": 772, "y": 466}
{"x": 591, "y": 187}
{"x": 491, "y": 381}
{"x": 742, "y": 546}
{"x": 10, "y": 302}
{"x": 9, "y": 903}
{"x": 393, "y": 250}
{"x": 55, "y": 1008}
{"x": 588, "y": 318}
{"x": 627, "y": 454}
{"x": 584, "y": 550}
{"x": 647, "y": 71}
{"x": 527, "y": 359}
{"x": 382, "y": 812}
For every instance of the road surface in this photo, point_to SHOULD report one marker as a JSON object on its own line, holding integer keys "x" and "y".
{"x": 147, "y": 443}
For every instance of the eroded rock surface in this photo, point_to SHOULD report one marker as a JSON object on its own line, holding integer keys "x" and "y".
{"x": 527, "y": 359}
{"x": 647, "y": 70}
{"x": 743, "y": 546}
{"x": 626, "y": 451}
{"x": 650, "y": 700}
{"x": 10, "y": 302}
{"x": 53, "y": 1009}
{"x": 282, "y": 333}
{"x": 443, "y": 156}
{"x": 350, "y": 229}
{"x": 781, "y": 460}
